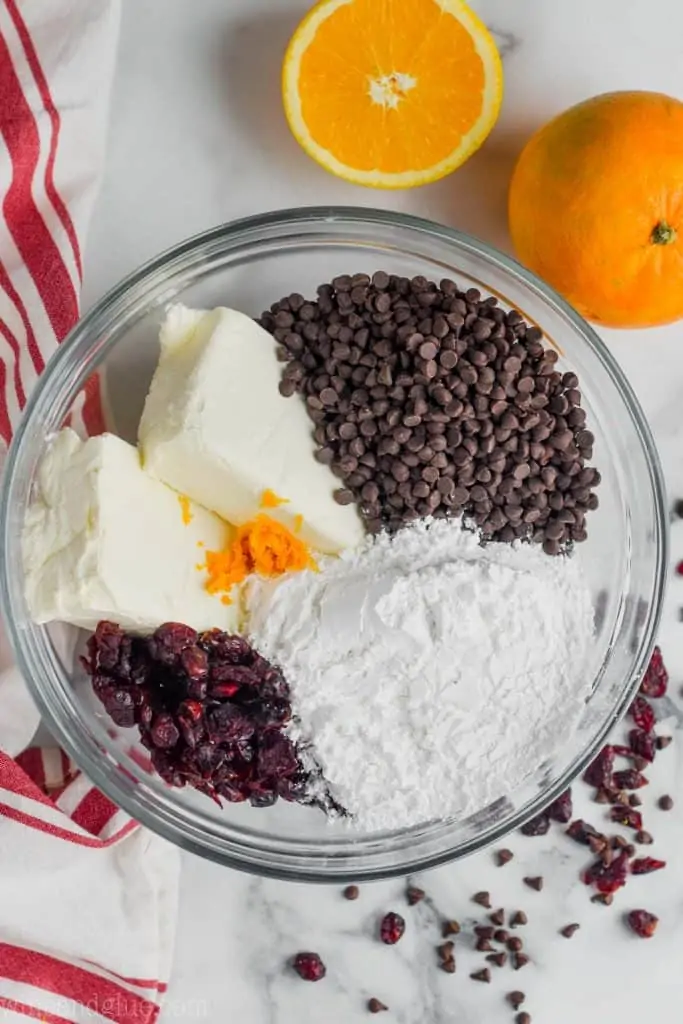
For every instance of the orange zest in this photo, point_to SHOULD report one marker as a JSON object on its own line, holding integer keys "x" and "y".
{"x": 185, "y": 508}
{"x": 391, "y": 93}
{"x": 262, "y": 546}
{"x": 269, "y": 499}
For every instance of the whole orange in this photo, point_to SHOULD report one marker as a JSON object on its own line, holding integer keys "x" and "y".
{"x": 596, "y": 208}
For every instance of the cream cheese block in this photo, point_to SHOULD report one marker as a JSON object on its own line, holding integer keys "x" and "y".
{"x": 216, "y": 428}
{"x": 104, "y": 540}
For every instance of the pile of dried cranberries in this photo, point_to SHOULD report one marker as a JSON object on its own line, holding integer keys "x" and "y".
{"x": 210, "y": 710}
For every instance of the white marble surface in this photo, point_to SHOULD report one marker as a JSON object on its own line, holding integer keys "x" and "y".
{"x": 197, "y": 137}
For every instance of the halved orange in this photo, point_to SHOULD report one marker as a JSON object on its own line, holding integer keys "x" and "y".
{"x": 391, "y": 93}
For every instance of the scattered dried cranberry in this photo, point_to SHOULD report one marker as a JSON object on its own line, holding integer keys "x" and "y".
{"x": 656, "y": 678}
{"x": 629, "y": 779}
{"x": 391, "y": 929}
{"x": 642, "y": 713}
{"x": 209, "y": 709}
{"x": 607, "y": 878}
{"x": 309, "y": 966}
{"x": 643, "y": 744}
{"x": 627, "y": 816}
{"x": 644, "y": 865}
{"x": 643, "y": 923}
{"x": 561, "y": 809}
{"x": 599, "y": 773}
{"x": 538, "y": 826}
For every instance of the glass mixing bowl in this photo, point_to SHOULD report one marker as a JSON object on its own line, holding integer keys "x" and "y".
{"x": 248, "y": 265}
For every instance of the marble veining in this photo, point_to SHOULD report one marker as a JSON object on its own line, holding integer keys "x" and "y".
{"x": 197, "y": 137}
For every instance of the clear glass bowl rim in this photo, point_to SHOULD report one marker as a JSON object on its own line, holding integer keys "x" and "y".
{"x": 101, "y": 765}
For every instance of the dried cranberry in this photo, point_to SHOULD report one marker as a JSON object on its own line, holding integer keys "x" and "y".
{"x": 391, "y": 929}
{"x": 607, "y": 878}
{"x": 643, "y": 744}
{"x": 309, "y": 966}
{"x": 628, "y": 816}
{"x": 163, "y": 731}
{"x": 119, "y": 705}
{"x": 643, "y": 923}
{"x": 656, "y": 678}
{"x": 276, "y": 755}
{"x": 169, "y": 641}
{"x": 105, "y": 645}
{"x": 226, "y": 723}
{"x": 195, "y": 663}
{"x": 538, "y": 826}
{"x": 629, "y": 779}
{"x": 599, "y": 772}
{"x": 642, "y": 713}
{"x": 644, "y": 865}
{"x": 561, "y": 809}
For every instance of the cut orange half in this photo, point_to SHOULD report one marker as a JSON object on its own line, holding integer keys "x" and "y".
{"x": 391, "y": 93}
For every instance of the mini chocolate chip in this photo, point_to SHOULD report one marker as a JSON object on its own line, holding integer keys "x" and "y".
{"x": 644, "y": 838}
{"x": 523, "y": 1018}
{"x": 343, "y": 496}
{"x": 535, "y": 882}
{"x": 375, "y": 1006}
{"x": 483, "y": 899}
{"x": 497, "y": 917}
{"x": 662, "y": 742}
{"x": 519, "y": 960}
{"x": 483, "y": 946}
{"x": 569, "y": 930}
{"x": 483, "y": 975}
{"x": 665, "y": 803}
{"x": 351, "y": 892}
{"x": 519, "y": 917}
{"x": 606, "y": 898}
{"x": 500, "y": 935}
{"x": 445, "y": 950}
{"x": 448, "y": 966}
{"x": 514, "y": 944}
{"x": 515, "y": 999}
{"x": 450, "y": 928}
{"x": 498, "y": 959}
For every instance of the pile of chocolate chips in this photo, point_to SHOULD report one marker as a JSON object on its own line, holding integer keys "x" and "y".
{"x": 427, "y": 400}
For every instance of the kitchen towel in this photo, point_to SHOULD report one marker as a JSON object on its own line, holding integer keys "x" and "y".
{"x": 87, "y": 897}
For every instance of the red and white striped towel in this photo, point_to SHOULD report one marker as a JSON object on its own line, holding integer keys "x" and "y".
{"x": 87, "y": 897}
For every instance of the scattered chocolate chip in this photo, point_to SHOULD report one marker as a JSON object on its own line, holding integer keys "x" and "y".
{"x": 514, "y": 944}
{"x": 448, "y": 966}
{"x": 619, "y": 842}
{"x": 606, "y": 898}
{"x": 644, "y": 838}
{"x": 504, "y": 857}
{"x": 634, "y": 800}
{"x": 483, "y": 899}
{"x": 351, "y": 892}
{"x": 523, "y": 1018}
{"x": 665, "y": 803}
{"x": 678, "y": 508}
{"x": 569, "y": 930}
{"x": 375, "y": 1006}
{"x": 414, "y": 895}
{"x": 445, "y": 950}
{"x": 515, "y": 999}
{"x": 450, "y": 928}
{"x": 483, "y": 946}
{"x": 598, "y": 844}
{"x": 519, "y": 917}
{"x": 534, "y": 883}
{"x": 603, "y": 796}
{"x": 483, "y": 975}
{"x": 500, "y": 935}
{"x": 483, "y": 931}
{"x": 497, "y": 917}
{"x": 662, "y": 742}
{"x": 497, "y": 958}
{"x": 519, "y": 960}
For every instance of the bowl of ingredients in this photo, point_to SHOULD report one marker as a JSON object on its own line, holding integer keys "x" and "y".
{"x": 367, "y": 561}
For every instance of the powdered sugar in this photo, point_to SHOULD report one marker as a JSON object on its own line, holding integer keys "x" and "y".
{"x": 429, "y": 673}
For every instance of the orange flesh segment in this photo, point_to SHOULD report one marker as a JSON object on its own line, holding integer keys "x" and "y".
{"x": 269, "y": 499}
{"x": 370, "y": 40}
